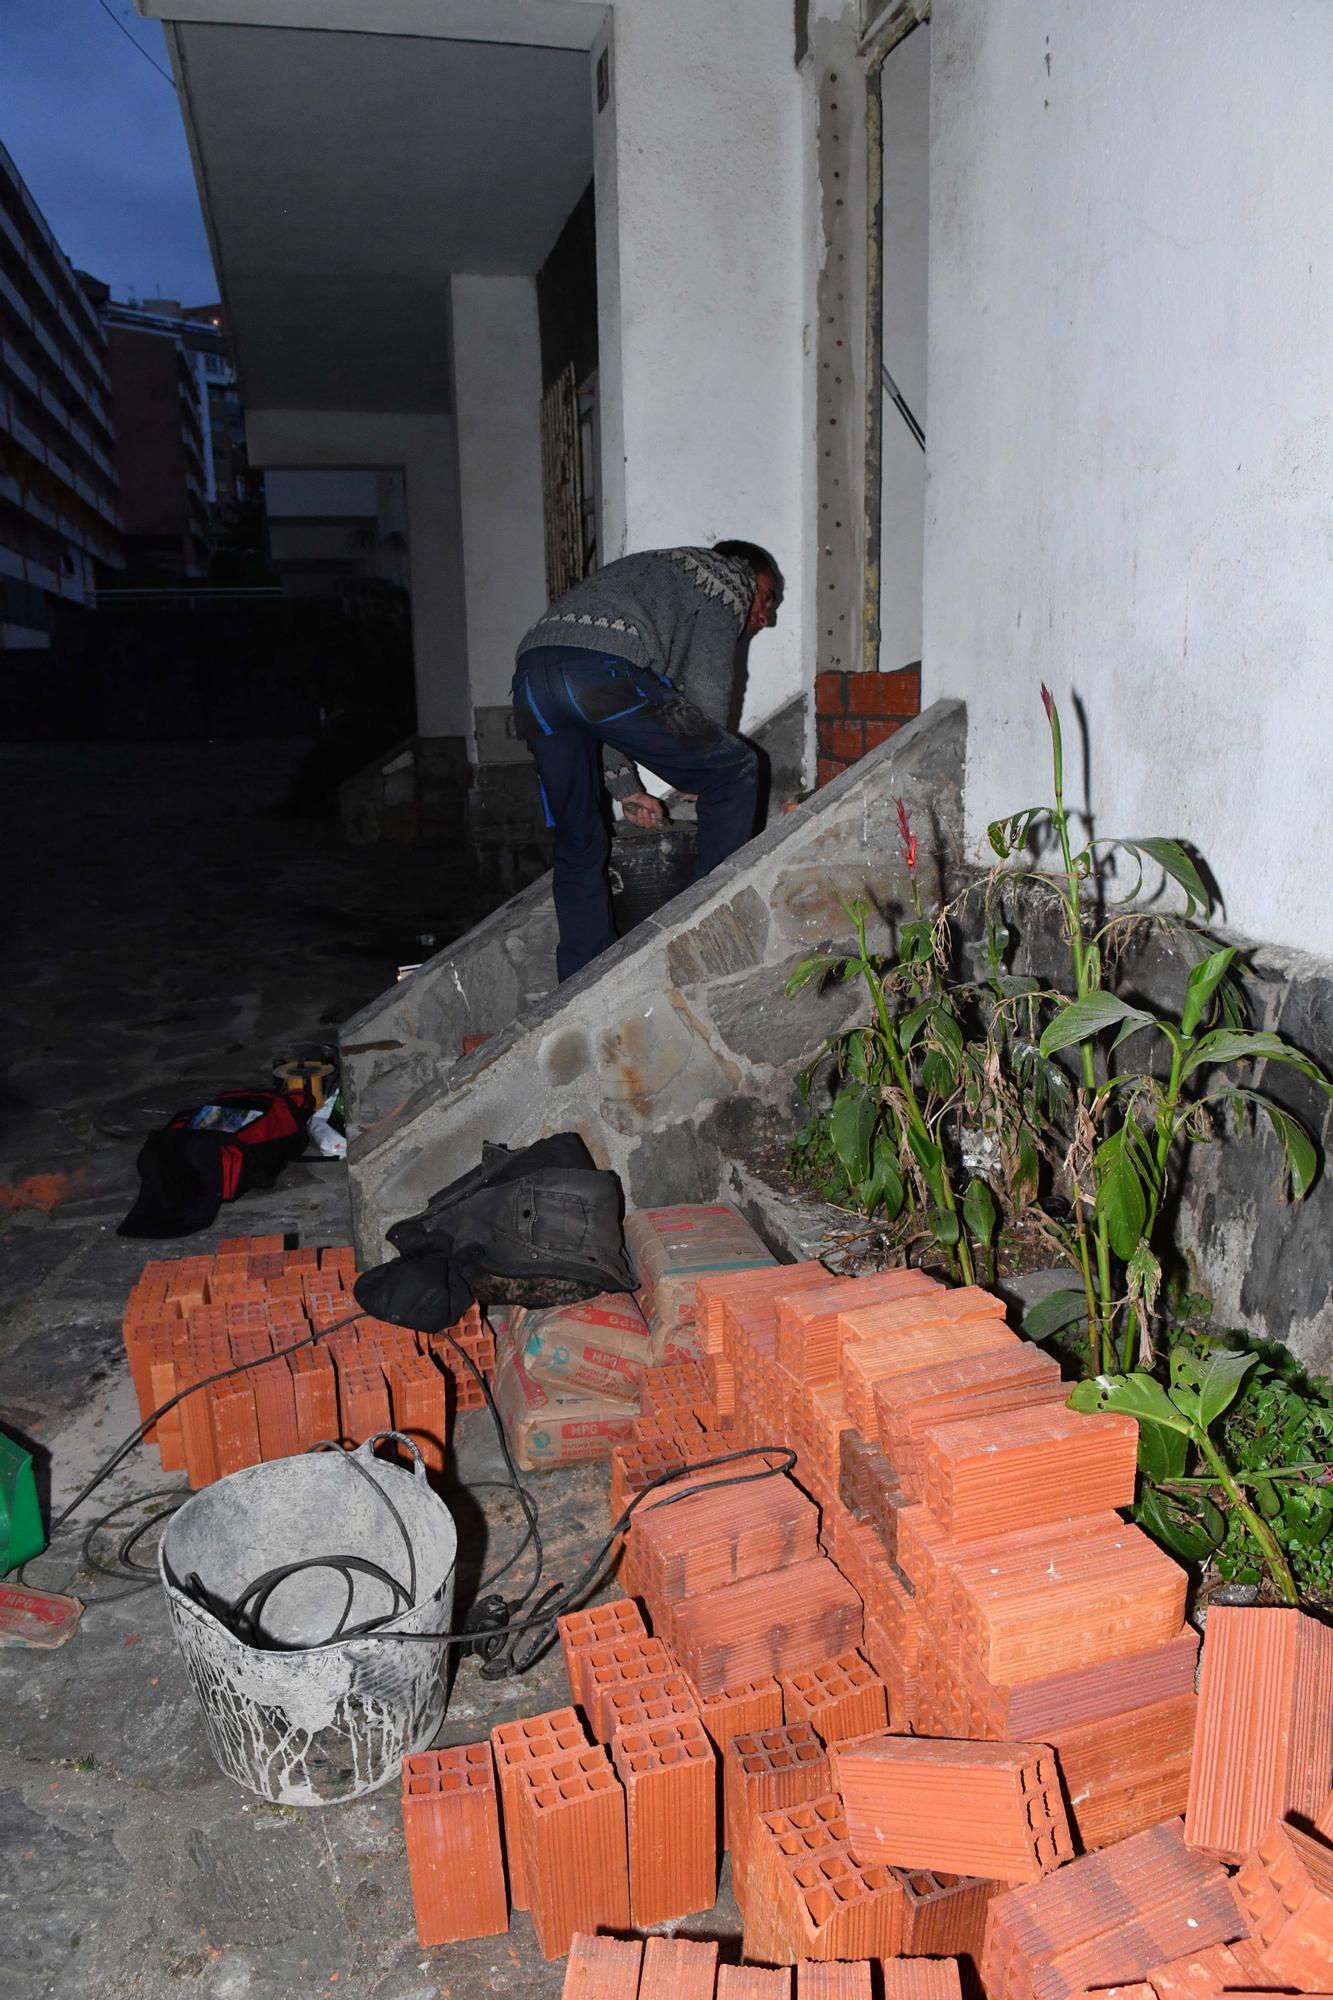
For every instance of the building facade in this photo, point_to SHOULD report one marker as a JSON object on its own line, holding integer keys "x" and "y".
{"x": 159, "y": 390}
{"x": 60, "y": 525}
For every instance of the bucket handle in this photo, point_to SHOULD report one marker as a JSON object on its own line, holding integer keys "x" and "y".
{"x": 366, "y": 1449}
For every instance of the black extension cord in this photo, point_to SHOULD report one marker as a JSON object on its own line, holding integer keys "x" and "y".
{"x": 490, "y": 1627}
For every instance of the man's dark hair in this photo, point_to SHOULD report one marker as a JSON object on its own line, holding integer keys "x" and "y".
{"x": 759, "y": 560}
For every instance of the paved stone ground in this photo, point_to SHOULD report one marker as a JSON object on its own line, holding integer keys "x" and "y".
{"x": 167, "y": 934}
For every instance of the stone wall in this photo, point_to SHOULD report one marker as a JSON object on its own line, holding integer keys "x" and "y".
{"x": 677, "y": 1050}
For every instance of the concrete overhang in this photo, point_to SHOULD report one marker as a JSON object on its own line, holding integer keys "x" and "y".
{"x": 346, "y": 174}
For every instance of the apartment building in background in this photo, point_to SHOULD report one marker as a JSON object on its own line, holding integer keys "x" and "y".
{"x": 60, "y": 525}
{"x": 164, "y": 453}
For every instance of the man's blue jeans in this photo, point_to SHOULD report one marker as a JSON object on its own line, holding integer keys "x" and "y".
{"x": 568, "y": 702}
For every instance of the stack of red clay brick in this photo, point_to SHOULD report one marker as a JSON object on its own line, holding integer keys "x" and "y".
{"x": 196, "y": 1316}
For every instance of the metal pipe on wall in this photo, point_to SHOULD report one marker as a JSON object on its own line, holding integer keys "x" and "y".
{"x": 890, "y": 26}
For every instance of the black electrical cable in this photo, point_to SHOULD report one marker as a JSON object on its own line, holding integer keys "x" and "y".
{"x": 556, "y": 1599}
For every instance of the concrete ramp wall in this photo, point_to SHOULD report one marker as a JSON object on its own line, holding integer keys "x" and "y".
{"x": 676, "y": 1051}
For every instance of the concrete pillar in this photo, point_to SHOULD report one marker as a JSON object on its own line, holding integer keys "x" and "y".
{"x": 497, "y": 397}
{"x": 699, "y": 140}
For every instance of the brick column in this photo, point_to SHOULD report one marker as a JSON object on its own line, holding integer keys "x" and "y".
{"x": 856, "y": 711}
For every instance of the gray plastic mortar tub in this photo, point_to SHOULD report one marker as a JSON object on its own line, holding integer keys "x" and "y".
{"x": 327, "y": 1721}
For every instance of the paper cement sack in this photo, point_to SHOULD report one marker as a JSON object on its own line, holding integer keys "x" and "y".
{"x": 672, "y": 1248}
{"x": 545, "y": 1429}
{"x": 598, "y": 1347}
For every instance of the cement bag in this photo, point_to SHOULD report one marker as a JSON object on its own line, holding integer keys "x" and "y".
{"x": 672, "y": 1248}
{"x": 598, "y": 1347}
{"x": 545, "y": 1429}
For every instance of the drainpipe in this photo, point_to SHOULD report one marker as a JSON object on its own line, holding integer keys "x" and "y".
{"x": 889, "y": 27}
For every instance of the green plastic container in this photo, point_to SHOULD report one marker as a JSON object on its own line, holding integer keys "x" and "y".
{"x": 21, "y": 1531}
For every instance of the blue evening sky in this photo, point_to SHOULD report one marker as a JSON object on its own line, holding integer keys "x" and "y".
{"x": 98, "y": 138}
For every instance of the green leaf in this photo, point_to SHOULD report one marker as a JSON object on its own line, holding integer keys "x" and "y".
{"x": 947, "y": 1033}
{"x": 1254, "y": 1045}
{"x": 1027, "y": 1170}
{"x": 1143, "y": 1278}
{"x": 1214, "y": 1521}
{"x": 938, "y": 1074}
{"x": 910, "y": 1025}
{"x": 1136, "y": 1395}
{"x": 916, "y": 941}
{"x": 1054, "y": 1313}
{"x": 808, "y": 969}
{"x": 1120, "y": 1201}
{"x": 1219, "y": 1382}
{"x": 1266, "y": 1499}
{"x": 979, "y": 1211}
{"x": 886, "y": 1182}
{"x": 1083, "y": 1018}
{"x": 1181, "y": 1539}
{"x": 1203, "y": 982}
{"x": 1005, "y": 835}
{"x": 1172, "y": 859}
{"x": 931, "y": 1162}
{"x": 851, "y": 1124}
{"x": 1162, "y": 1453}
{"x": 1302, "y": 1161}
{"x": 943, "y": 1224}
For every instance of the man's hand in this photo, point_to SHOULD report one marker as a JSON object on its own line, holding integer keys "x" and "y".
{"x": 641, "y": 809}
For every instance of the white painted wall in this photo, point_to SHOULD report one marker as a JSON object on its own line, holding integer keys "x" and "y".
{"x": 426, "y": 447}
{"x": 1131, "y": 415}
{"x": 497, "y": 398}
{"x": 905, "y": 95}
{"x": 702, "y": 258}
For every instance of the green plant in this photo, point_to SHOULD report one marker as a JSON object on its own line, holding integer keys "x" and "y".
{"x": 1175, "y": 1419}
{"x": 905, "y": 1083}
{"x": 1131, "y": 1119}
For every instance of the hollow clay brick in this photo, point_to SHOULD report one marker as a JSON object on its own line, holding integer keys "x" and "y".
{"x": 1034, "y": 1711}
{"x": 714, "y": 1291}
{"x": 235, "y": 1424}
{"x": 417, "y": 1398}
{"x": 1286, "y": 1888}
{"x": 839, "y": 1698}
{"x": 944, "y": 1916}
{"x": 753, "y": 1982}
{"x": 992, "y": 1810}
{"x": 1061, "y": 1600}
{"x": 686, "y": 1541}
{"x": 767, "y": 1770}
{"x": 808, "y": 1898}
{"x": 830, "y": 1981}
{"x": 1024, "y": 1468}
{"x": 921, "y": 1979}
{"x": 575, "y": 1865}
{"x": 602, "y": 1968}
{"x": 670, "y": 1778}
{"x": 621, "y": 1663}
{"x": 1221, "y": 1969}
{"x": 530, "y": 1743}
{"x": 644, "y": 1704}
{"x": 452, "y": 1830}
{"x": 739, "y": 1710}
{"x": 315, "y": 1394}
{"x": 206, "y": 1354}
{"x": 1263, "y": 1749}
{"x": 1107, "y": 1918}
{"x": 678, "y": 1968}
{"x": 275, "y": 1410}
{"x": 363, "y": 1400}
{"x": 759, "y": 1626}
{"x": 1127, "y": 1773}
{"x": 808, "y": 1332}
